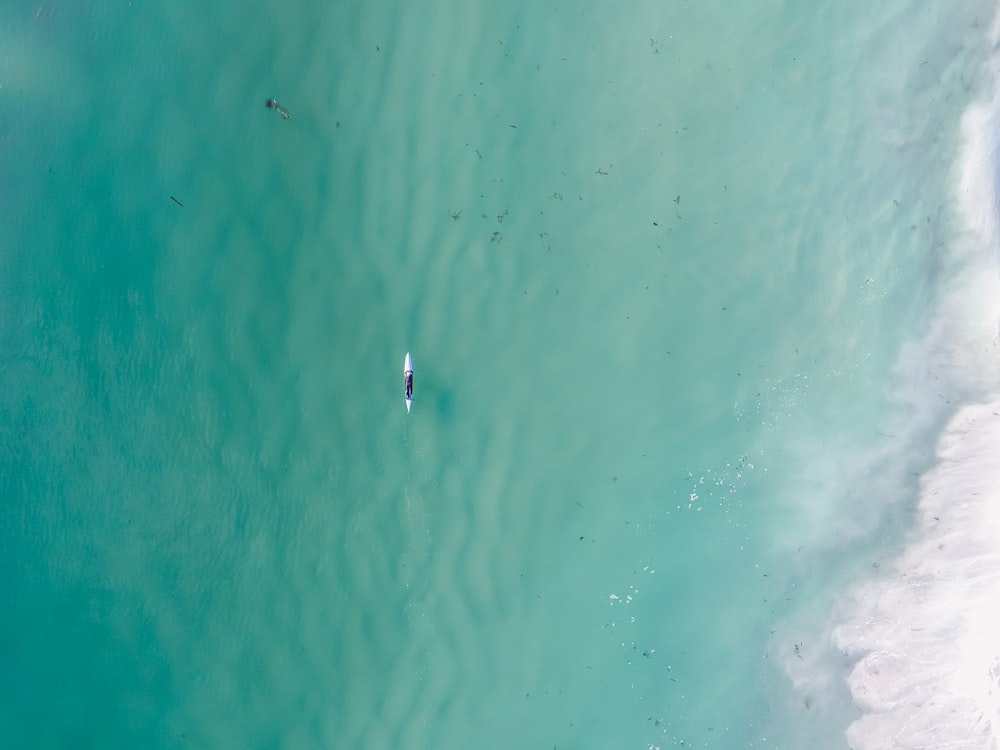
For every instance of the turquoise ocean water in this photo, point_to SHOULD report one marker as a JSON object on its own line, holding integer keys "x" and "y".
{"x": 702, "y": 307}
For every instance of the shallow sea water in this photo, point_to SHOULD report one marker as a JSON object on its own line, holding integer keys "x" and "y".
{"x": 660, "y": 270}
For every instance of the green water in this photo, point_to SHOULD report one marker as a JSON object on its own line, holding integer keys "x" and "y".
{"x": 654, "y": 264}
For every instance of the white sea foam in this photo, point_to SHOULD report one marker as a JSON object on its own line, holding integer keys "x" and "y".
{"x": 923, "y": 638}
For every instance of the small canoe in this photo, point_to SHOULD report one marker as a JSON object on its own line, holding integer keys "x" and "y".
{"x": 408, "y": 381}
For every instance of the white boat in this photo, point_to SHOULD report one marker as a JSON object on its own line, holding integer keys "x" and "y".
{"x": 408, "y": 381}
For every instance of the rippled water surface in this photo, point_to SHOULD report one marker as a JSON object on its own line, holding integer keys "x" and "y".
{"x": 661, "y": 269}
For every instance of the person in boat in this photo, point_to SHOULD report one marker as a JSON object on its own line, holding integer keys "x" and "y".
{"x": 408, "y": 384}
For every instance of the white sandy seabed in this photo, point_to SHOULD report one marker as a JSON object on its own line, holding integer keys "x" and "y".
{"x": 924, "y": 637}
